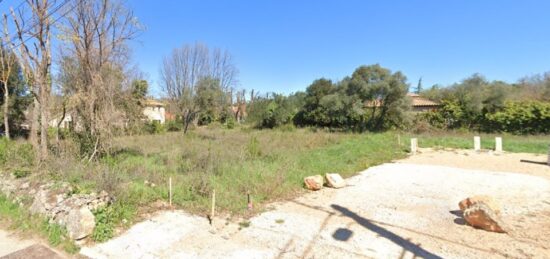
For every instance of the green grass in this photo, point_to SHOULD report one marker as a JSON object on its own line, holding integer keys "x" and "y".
{"x": 17, "y": 218}
{"x": 537, "y": 144}
{"x": 270, "y": 164}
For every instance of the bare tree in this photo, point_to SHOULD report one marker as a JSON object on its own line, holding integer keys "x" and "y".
{"x": 185, "y": 67}
{"x": 7, "y": 61}
{"x": 97, "y": 32}
{"x": 35, "y": 53}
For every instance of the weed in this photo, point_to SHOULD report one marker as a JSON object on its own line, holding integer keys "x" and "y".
{"x": 244, "y": 224}
{"x": 105, "y": 227}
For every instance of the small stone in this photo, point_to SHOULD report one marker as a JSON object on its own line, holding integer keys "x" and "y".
{"x": 24, "y": 185}
{"x": 479, "y": 215}
{"x": 314, "y": 182}
{"x": 335, "y": 181}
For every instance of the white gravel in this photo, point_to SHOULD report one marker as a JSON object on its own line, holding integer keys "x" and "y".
{"x": 388, "y": 211}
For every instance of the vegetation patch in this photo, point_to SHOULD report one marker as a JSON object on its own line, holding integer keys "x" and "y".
{"x": 17, "y": 218}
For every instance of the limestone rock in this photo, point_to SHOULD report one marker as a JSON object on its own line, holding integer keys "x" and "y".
{"x": 314, "y": 182}
{"x": 80, "y": 223}
{"x": 489, "y": 201}
{"x": 335, "y": 180}
{"x": 480, "y": 215}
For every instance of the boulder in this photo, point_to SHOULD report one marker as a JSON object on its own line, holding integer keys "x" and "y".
{"x": 335, "y": 181}
{"x": 314, "y": 182}
{"x": 80, "y": 223}
{"x": 480, "y": 215}
{"x": 489, "y": 201}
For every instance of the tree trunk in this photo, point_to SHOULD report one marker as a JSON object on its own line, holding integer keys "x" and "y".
{"x": 33, "y": 136}
{"x": 6, "y": 106}
{"x": 44, "y": 122}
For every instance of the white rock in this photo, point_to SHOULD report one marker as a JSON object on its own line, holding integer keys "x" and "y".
{"x": 80, "y": 223}
{"x": 335, "y": 181}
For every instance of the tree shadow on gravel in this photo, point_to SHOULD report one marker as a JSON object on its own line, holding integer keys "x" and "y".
{"x": 404, "y": 243}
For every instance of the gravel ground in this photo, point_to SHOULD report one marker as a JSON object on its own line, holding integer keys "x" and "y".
{"x": 396, "y": 210}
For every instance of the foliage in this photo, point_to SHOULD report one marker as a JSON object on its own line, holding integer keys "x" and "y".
{"x": 273, "y": 111}
{"x": 154, "y": 127}
{"x": 15, "y": 155}
{"x": 173, "y": 125}
{"x": 520, "y": 118}
{"x": 477, "y": 104}
{"x": 105, "y": 227}
{"x": 209, "y": 99}
{"x": 373, "y": 98}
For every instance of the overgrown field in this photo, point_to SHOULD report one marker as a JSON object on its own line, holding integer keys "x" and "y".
{"x": 268, "y": 164}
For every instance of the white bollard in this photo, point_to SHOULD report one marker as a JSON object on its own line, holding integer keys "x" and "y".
{"x": 477, "y": 143}
{"x": 414, "y": 145}
{"x": 498, "y": 145}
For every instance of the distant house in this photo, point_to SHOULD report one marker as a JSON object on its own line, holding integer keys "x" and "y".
{"x": 418, "y": 103}
{"x": 421, "y": 104}
{"x": 66, "y": 122}
{"x": 154, "y": 111}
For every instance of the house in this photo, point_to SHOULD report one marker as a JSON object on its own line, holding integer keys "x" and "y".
{"x": 418, "y": 103}
{"x": 421, "y": 104}
{"x": 154, "y": 111}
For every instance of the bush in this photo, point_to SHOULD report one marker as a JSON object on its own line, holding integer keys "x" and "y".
{"x": 15, "y": 155}
{"x": 173, "y": 125}
{"x": 154, "y": 127}
{"x": 105, "y": 227}
{"x": 520, "y": 118}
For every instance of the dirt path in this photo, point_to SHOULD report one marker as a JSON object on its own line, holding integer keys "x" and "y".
{"x": 397, "y": 210}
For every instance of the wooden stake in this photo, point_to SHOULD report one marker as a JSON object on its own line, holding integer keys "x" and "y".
{"x": 249, "y": 205}
{"x": 213, "y": 211}
{"x": 414, "y": 145}
{"x": 170, "y": 190}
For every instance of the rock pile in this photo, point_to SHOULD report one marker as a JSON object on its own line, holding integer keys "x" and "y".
{"x": 59, "y": 204}
{"x": 315, "y": 182}
{"x": 482, "y": 212}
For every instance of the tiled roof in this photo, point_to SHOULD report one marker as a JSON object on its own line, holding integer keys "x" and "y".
{"x": 151, "y": 102}
{"x": 417, "y": 100}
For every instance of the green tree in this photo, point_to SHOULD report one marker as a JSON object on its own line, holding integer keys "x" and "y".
{"x": 140, "y": 89}
{"x": 419, "y": 86}
{"x": 384, "y": 93}
{"x": 313, "y": 112}
{"x": 208, "y": 99}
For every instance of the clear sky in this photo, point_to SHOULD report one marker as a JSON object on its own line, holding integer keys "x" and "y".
{"x": 283, "y": 45}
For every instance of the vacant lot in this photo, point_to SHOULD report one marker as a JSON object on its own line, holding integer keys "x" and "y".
{"x": 268, "y": 164}
{"x": 396, "y": 210}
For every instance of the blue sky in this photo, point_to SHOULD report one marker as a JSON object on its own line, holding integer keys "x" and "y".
{"x": 283, "y": 45}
